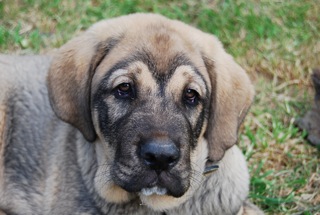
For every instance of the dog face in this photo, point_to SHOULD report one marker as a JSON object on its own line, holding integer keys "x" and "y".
{"x": 153, "y": 95}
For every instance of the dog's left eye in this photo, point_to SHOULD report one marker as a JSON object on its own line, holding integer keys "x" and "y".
{"x": 191, "y": 97}
{"x": 124, "y": 91}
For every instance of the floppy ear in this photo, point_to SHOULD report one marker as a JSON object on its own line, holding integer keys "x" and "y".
{"x": 69, "y": 80}
{"x": 231, "y": 96}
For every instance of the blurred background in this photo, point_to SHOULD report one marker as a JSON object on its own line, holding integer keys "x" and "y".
{"x": 277, "y": 42}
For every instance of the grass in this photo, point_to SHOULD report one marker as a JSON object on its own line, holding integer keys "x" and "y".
{"x": 284, "y": 168}
{"x": 277, "y": 42}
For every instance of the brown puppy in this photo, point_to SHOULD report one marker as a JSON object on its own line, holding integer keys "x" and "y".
{"x": 150, "y": 105}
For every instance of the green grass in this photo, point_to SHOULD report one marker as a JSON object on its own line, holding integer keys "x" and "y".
{"x": 284, "y": 168}
{"x": 277, "y": 42}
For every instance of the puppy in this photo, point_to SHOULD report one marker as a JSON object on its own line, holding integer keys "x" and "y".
{"x": 131, "y": 117}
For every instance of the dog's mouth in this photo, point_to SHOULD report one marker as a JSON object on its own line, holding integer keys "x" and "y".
{"x": 151, "y": 183}
{"x": 159, "y": 190}
{"x": 156, "y": 190}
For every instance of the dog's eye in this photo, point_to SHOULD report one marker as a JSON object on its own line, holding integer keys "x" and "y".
{"x": 124, "y": 91}
{"x": 191, "y": 96}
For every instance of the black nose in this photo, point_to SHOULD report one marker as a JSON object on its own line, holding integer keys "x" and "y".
{"x": 159, "y": 155}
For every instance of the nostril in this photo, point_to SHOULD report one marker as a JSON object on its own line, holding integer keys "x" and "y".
{"x": 149, "y": 158}
{"x": 159, "y": 155}
{"x": 172, "y": 159}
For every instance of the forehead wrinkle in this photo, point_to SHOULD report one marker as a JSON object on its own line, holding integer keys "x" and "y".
{"x": 187, "y": 75}
{"x": 154, "y": 66}
{"x": 143, "y": 76}
{"x": 145, "y": 57}
{"x": 136, "y": 72}
{"x": 121, "y": 65}
{"x": 162, "y": 74}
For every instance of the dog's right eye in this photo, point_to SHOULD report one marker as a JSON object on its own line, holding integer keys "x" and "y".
{"x": 124, "y": 91}
{"x": 191, "y": 97}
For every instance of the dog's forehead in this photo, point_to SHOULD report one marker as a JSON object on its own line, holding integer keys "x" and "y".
{"x": 157, "y": 44}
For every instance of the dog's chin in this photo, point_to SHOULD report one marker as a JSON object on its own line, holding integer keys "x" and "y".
{"x": 158, "y": 198}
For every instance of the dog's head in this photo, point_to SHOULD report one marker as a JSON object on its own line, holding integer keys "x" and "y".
{"x": 157, "y": 97}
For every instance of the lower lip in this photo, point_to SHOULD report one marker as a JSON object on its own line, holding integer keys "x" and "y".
{"x": 154, "y": 191}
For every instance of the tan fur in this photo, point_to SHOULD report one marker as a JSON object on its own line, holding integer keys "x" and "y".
{"x": 233, "y": 99}
{"x": 84, "y": 64}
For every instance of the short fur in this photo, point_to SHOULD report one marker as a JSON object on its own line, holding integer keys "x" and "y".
{"x": 72, "y": 145}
